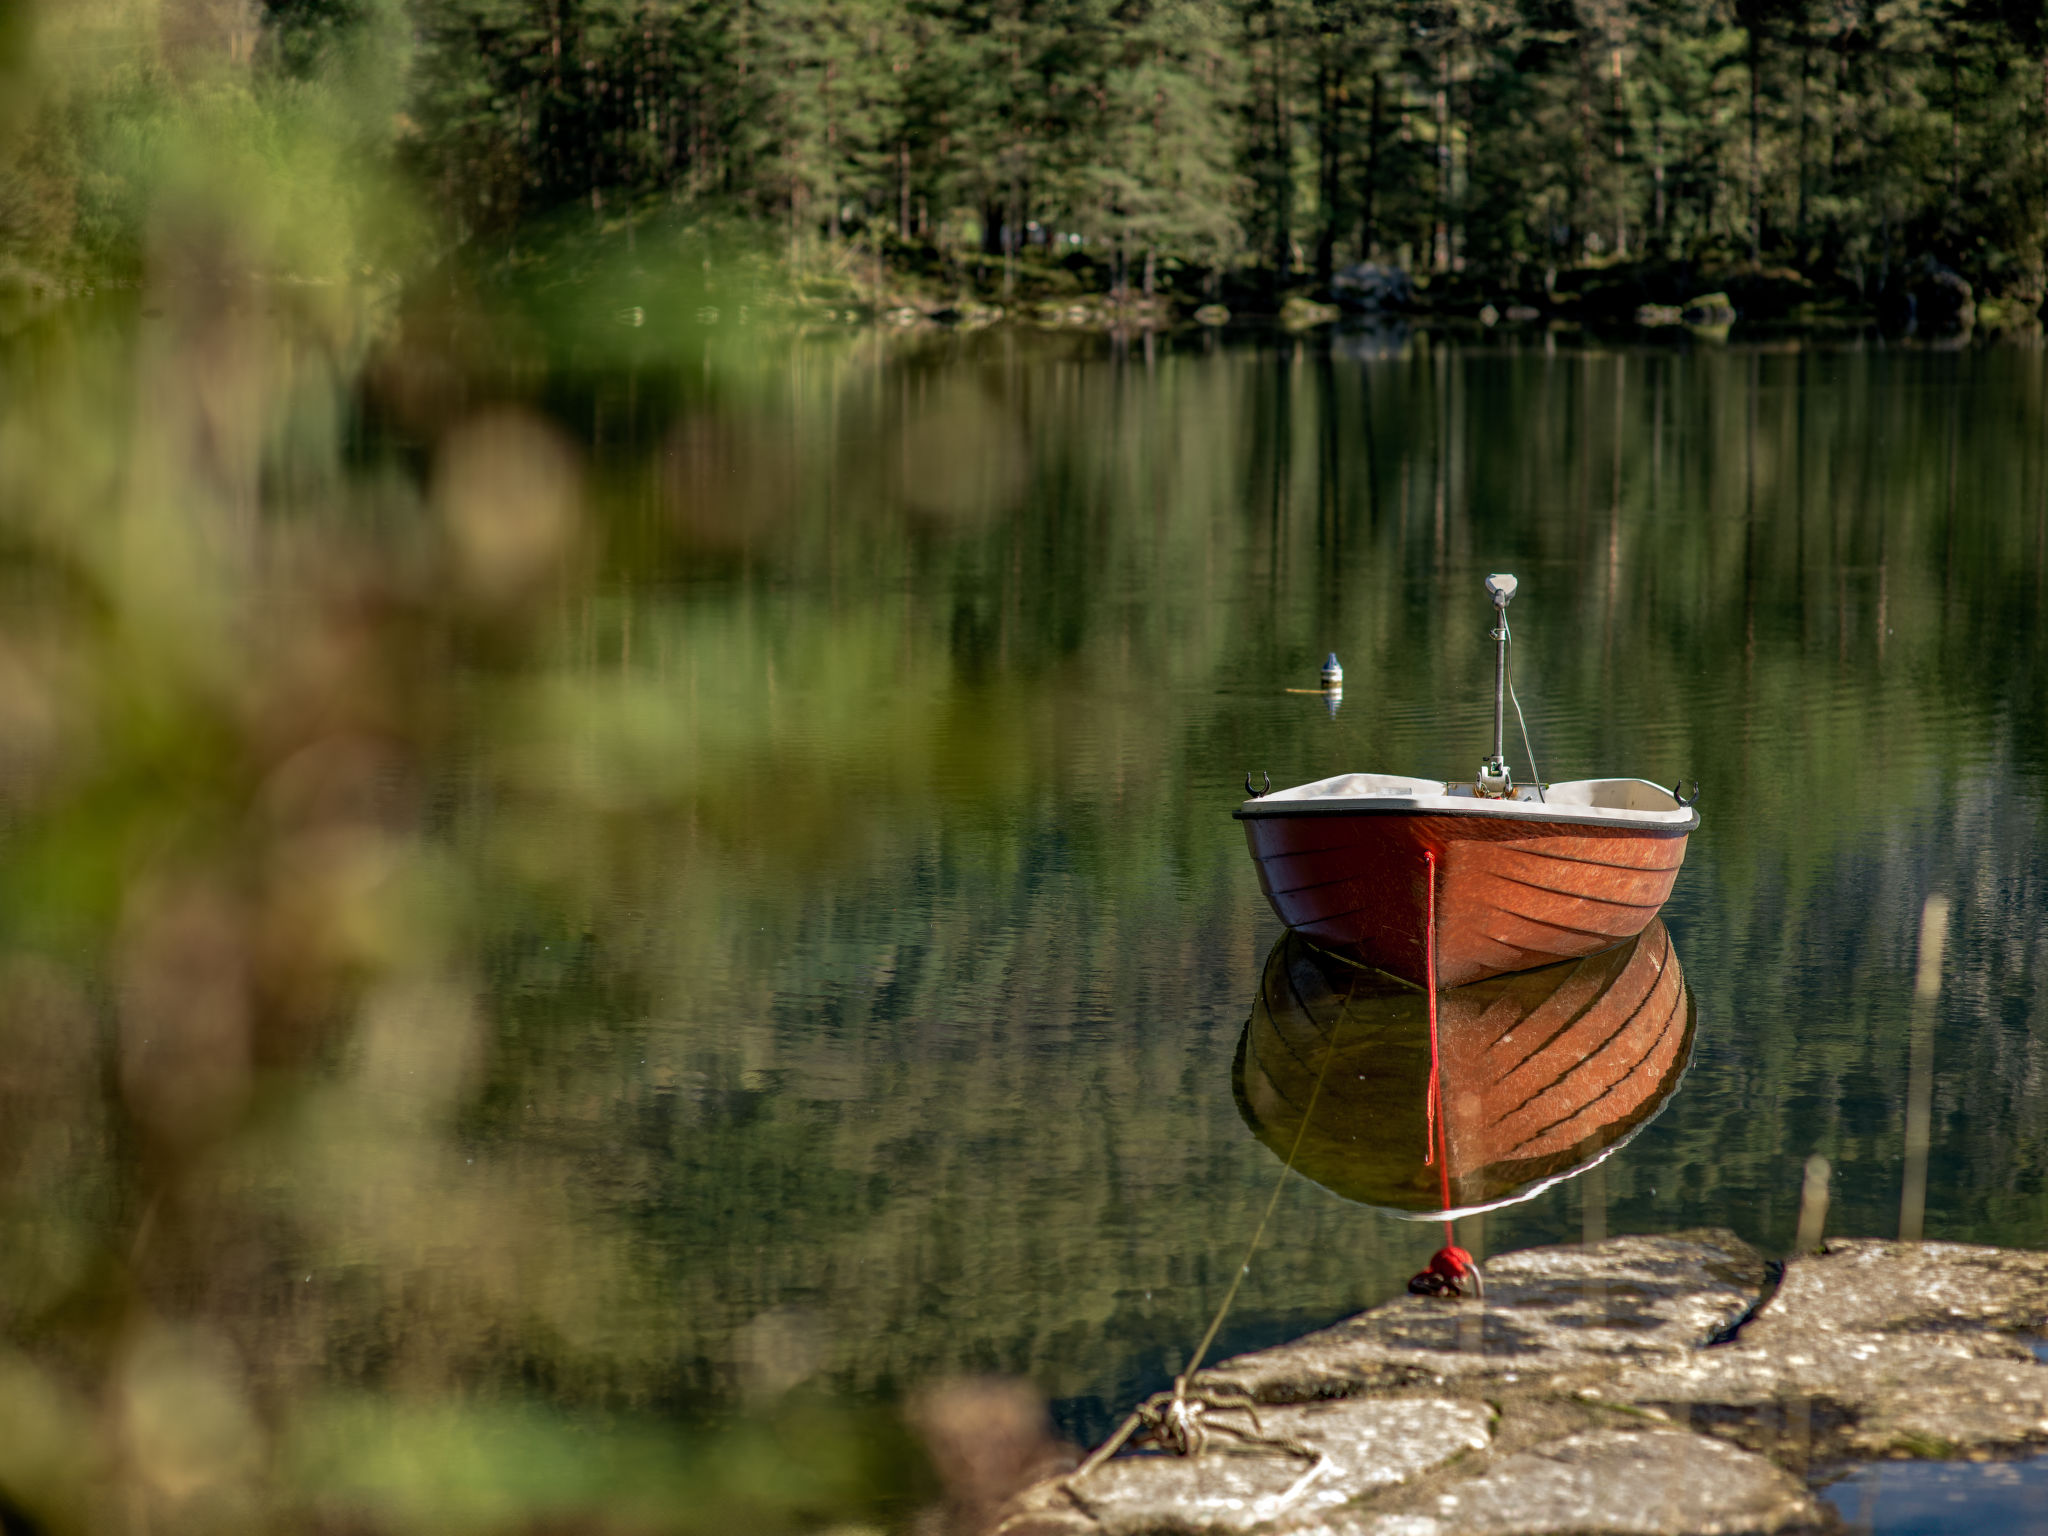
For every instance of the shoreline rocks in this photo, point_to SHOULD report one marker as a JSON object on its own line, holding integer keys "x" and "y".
{"x": 1657, "y": 1385}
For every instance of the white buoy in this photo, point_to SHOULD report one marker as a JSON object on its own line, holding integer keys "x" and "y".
{"x": 1333, "y": 672}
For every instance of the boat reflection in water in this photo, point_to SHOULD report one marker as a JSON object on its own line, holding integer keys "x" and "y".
{"x": 1541, "y": 1073}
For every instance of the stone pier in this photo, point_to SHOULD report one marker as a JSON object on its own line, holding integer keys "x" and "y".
{"x": 1642, "y": 1386}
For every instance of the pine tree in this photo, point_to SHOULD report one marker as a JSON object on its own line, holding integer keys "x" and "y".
{"x": 1162, "y": 180}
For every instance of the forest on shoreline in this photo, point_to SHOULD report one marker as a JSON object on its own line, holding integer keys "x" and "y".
{"x": 1809, "y": 158}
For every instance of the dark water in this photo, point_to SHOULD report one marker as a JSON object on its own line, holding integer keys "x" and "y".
{"x": 1926, "y": 1498}
{"x": 821, "y": 944}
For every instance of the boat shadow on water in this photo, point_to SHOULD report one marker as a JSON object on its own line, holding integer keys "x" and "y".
{"x": 1540, "y": 1074}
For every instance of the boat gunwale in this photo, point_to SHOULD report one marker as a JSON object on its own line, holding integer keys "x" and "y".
{"x": 1504, "y": 812}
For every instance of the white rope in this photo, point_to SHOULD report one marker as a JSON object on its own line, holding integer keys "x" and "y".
{"x": 1172, "y": 1410}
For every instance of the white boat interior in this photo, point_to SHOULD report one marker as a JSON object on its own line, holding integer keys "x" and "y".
{"x": 1635, "y": 801}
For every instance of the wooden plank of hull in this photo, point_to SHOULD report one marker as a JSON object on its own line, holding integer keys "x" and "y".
{"x": 1511, "y": 894}
{"x": 1543, "y": 1071}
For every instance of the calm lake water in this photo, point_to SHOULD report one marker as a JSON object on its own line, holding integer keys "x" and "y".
{"x": 857, "y": 939}
{"x": 935, "y": 1073}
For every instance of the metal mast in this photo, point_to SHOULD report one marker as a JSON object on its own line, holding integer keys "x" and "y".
{"x": 1496, "y": 780}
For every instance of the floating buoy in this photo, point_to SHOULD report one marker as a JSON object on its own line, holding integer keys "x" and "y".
{"x": 1333, "y": 672}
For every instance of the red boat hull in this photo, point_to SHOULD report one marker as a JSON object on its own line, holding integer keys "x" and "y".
{"x": 1511, "y": 894}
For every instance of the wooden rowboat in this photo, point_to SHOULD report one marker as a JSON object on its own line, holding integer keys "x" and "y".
{"x": 1480, "y": 878}
{"x": 1542, "y": 1074}
{"x": 1518, "y": 883}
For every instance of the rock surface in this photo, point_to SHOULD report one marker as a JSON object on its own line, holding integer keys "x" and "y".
{"x": 1709, "y": 309}
{"x": 1636, "y": 1387}
{"x": 1372, "y": 288}
{"x": 1547, "y": 1310}
{"x": 1633, "y": 1481}
{"x": 1923, "y": 1349}
{"x": 1368, "y": 1444}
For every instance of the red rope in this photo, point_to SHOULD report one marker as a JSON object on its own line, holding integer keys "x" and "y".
{"x": 1433, "y": 1101}
{"x": 1450, "y": 1267}
{"x": 1439, "y": 1149}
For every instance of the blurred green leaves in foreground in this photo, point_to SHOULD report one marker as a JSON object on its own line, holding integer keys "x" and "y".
{"x": 242, "y": 969}
{"x": 137, "y": 139}
{"x": 257, "y": 1268}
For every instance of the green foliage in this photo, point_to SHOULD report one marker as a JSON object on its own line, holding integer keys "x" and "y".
{"x": 1505, "y": 138}
{"x": 1499, "y": 137}
{"x": 129, "y": 138}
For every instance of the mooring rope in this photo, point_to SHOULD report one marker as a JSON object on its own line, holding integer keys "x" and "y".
{"x": 1432, "y": 1097}
{"x": 1115, "y": 1442}
{"x": 1170, "y": 1416}
{"x": 1272, "y": 1202}
{"x": 1439, "y": 1149}
{"x": 1450, "y": 1267}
